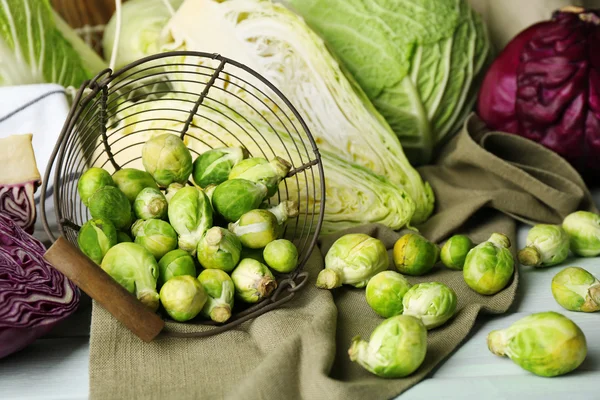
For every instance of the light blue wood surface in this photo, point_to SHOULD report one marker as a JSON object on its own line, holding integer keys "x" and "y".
{"x": 58, "y": 368}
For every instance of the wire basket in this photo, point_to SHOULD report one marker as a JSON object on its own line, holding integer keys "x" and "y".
{"x": 208, "y": 101}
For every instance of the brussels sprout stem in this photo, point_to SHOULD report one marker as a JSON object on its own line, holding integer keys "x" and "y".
{"x": 530, "y": 256}
{"x": 284, "y": 210}
{"x": 149, "y": 298}
{"x": 500, "y": 240}
{"x": 282, "y": 167}
{"x": 594, "y": 297}
{"x": 497, "y": 342}
{"x": 356, "y": 348}
{"x": 328, "y": 279}
{"x": 213, "y": 237}
{"x": 155, "y": 206}
{"x": 220, "y": 314}
{"x": 265, "y": 286}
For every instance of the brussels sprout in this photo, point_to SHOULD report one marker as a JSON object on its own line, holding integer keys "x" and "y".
{"x": 546, "y": 245}
{"x": 157, "y": 236}
{"x": 281, "y": 256}
{"x": 95, "y": 238}
{"x": 396, "y": 349}
{"x": 167, "y": 159}
{"x": 132, "y": 181}
{"x": 137, "y": 225}
{"x": 213, "y": 166}
{"x": 546, "y": 343}
{"x": 353, "y": 259}
{"x": 415, "y": 255}
{"x": 122, "y": 237}
{"x": 257, "y": 169}
{"x": 171, "y": 190}
{"x": 233, "y": 198}
{"x": 253, "y": 281}
{"x": 111, "y": 204}
{"x": 183, "y": 297}
{"x": 433, "y": 303}
{"x": 190, "y": 214}
{"x": 256, "y": 228}
{"x": 219, "y": 249}
{"x": 385, "y": 292}
{"x": 150, "y": 203}
{"x": 489, "y": 265}
{"x": 134, "y": 268}
{"x": 583, "y": 228}
{"x": 454, "y": 252}
{"x": 92, "y": 180}
{"x": 220, "y": 290}
{"x": 576, "y": 289}
{"x": 175, "y": 263}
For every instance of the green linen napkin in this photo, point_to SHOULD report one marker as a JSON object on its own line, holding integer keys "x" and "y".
{"x": 483, "y": 182}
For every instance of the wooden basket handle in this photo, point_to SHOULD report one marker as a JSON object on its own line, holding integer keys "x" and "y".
{"x": 100, "y": 286}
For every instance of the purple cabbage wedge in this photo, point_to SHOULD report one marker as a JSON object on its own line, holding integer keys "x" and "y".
{"x": 545, "y": 86}
{"x": 34, "y": 296}
{"x": 19, "y": 180}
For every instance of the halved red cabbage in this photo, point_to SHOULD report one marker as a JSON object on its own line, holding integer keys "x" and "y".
{"x": 19, "y": 179}
{"x": 34, "y": 296}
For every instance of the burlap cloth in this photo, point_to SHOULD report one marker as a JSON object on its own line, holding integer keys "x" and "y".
{"x": 483, "y": 182}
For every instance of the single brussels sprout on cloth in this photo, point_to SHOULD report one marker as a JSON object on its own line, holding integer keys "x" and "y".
{"x": 353, "y": 259}
{"x": 547, "y": 344}
{"x": 220, "y": 290}
{"x": 190, "y": 214}
{"x": 175, "y": 263}
{"x": 489, "y": 265}
{"x": 256, "y": 228}
{"x": 235, "y": 197}
{"x": 150, "y": 203}
{"x": 92, "y": 180}
{"x": 132, "y": 181}
{"x": 213, "y": 166}
{"x": 583, "y": 228}
{"x": 123, "y": 237}
{"x": 171, "y": 190}
{"x": 134, "y": 268}
{"x": 258, "y": 169}
{"x": 385, "y": 292}
{"x": 455, "y": 250}
{"x": 253, "y": 281}
{"x": 167, "y": 159}
{"x": 96, "y": 237}
{"x": 546, "y": 245}
{"x": 433, "y": 303}
{"x": 183, "y": 297}
{"x": 111, "y": 204}
{"x": 396, "y": 348}
{"x": 281, "y": 255}
{"x": 415, "y": 255}
{"x": 156, "y": 236}
{"x": 219, "y": 249}
{"x": 576, "y": 289}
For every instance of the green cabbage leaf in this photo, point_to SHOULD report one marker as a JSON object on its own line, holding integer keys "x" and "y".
{"x": 418, "y": 61}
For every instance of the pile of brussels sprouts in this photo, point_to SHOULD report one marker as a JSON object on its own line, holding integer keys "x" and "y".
{"x": 546, "y": 343}
{"x": 192, "y": 248}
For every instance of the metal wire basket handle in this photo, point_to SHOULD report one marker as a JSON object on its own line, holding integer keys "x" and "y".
{"x": 98, "y": 89}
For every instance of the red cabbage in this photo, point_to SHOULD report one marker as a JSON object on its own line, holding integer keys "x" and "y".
{"x": 545, "y": 86}
{"x": 34, "y": 296}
